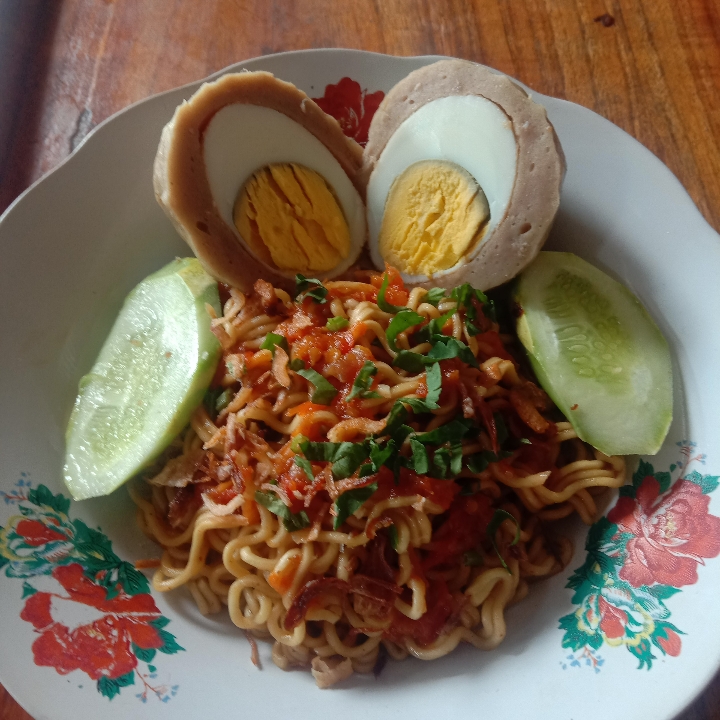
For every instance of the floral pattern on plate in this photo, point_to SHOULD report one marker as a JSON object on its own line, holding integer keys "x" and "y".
{"x": 640, "y": 555}
{"x": 91, "y": 610}
{"x": 352, "y": 106}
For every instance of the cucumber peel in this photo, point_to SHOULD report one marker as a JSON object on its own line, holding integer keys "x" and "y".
{"x": 152, "y": 372}
{"x": 597, "y": 352}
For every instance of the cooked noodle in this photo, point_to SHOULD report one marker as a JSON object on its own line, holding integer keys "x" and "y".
{"x": 413, "y": 569}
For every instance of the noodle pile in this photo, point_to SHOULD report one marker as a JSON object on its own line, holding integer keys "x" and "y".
{"x": 374, "y": 476}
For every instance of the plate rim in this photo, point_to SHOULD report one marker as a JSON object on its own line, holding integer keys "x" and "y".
{"x": 100, "y": 128}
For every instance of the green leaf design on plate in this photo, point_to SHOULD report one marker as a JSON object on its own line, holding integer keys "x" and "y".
{"x": 132, "y": 580}
{"x": 707, "y": 483}
{"x": 574, "y": 638}
{"x": 611, "y": 609}
{"x": 42, "y": 496}
{"x": 111, "y": 687}
{"x": 170, "y": 645}
{"x": 42, "y": 537}
{"x": 146, "y": 655}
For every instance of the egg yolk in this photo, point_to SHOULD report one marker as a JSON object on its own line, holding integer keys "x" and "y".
{"x": 291, "y": 219}
{"x": 435, "y": 214}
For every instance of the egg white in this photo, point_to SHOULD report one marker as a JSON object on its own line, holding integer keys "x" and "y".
{"x": 241, "y": 139}
{"x": 468, "y": 130}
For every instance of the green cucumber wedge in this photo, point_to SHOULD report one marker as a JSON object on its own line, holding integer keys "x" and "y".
{"x": 597, "y": 352}
{"x": 152, "y": 372}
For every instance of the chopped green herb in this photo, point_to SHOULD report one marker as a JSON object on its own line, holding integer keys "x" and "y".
{"x": 402, "y": 321}
{"x": 456, "y": 458}
{"x": 433, "y": 379}
{"x": 479, "y": 461}
{"x": 324, "y": 391}
{"x": 452, "y": 432}
{"x": 297, "y": 364}
{"x": 348, "y": 459}
{"x": 224, "y": 399}
{"x": 210, "y": 400}
{"x": 445, "y": 348}
{"x": 411, "y": 361}
{"x": 396, "y": 461}
{"x": 434, "y": 296}
{"x": 297, "y": 443}
{"x": 312, "y": 287}
{"x": 350, "y": 502}
{"x": 417, "y": 404}
{"x": 402, "y": 434}
{"x": 393, "y": 536}
{"x": 320, "y": 451}
{"x": 337, "y": 323}
{"x": 473, "y": 301}
{"x": 292, "y": 521}
{"x": 217, "y": 399}
{"x": 363, "y": 381}
{"x": 305, "y": 466}
{"x": 525, "y": 441}
{"x": 498, "y": 518}
{"x": 366, "y": 458}
{"x": 445, "y": 461}
{"x": 433, "y": 328}
{"x": 379, "y": 455}
{"x": 389, "y": 453}
{"x": 272, "y": 340}
{"x": 440, "y": 463}
{"x": 397, "y": 417}
{"x": 383, "y": 304}
{"x": 420, "y": 460}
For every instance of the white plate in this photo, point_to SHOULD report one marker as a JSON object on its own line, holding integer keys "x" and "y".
{"x": 81, "y": 238}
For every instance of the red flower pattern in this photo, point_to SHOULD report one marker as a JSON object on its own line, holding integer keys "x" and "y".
{"x": 612, "y": 619}
{"x": 352, "y": 107}
{"x": 36, "y": 534}
{"x": 101, "y": 648}
{"x": 671, "y": 644}
{"x": 672, "y": 534}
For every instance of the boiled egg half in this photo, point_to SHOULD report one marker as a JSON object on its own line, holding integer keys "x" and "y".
{"x": 261, "y": 183}
{"x": 463, "y": 174}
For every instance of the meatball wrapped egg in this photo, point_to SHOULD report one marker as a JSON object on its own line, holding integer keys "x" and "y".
{"x": 260, "y": 182}
{"x": 463, "y": 173}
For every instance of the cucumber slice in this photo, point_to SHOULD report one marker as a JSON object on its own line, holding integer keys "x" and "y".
{"x": 597, "y": 353}
{"x": 152, "y": 372}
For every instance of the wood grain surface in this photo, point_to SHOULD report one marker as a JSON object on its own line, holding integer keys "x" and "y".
{"x": 650, "y": 66}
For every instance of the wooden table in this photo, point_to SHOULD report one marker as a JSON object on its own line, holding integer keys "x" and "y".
{"x": 650, "y": 66}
